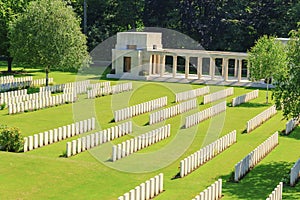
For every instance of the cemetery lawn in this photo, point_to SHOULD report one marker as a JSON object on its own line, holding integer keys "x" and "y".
{"x": 44, "y": 174}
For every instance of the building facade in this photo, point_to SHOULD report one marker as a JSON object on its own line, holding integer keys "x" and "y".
{"x": 140, "y": 55}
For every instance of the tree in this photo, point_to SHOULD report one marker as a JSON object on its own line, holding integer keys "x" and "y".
{"x": 10, "y": 139}
{"x": 287, "y": 87}
{"x": 267, "y": 59}
{"x": 48, "y": 34}
{"x": 8, "y": 10}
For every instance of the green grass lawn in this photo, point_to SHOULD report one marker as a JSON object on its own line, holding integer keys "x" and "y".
{"x": 43, "y": 174}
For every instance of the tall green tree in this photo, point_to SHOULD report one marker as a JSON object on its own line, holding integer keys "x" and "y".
{"x": 48, "y": 35}
{"x": 287, "y": 87}
{"x": 8, "y": 10}
{"x": 267, "y": 59}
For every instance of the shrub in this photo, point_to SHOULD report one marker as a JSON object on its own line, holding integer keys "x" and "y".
{"x": 143, "y": 73}
{"x": 10, "y": 139}
{"x": 31, "y": 90}
{"x": 2, "y": 106}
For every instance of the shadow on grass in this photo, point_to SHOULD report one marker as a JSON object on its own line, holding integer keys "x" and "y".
{"x": 176, "y": 176}
{"x": 295, "y": 134}
{"x": 147, "y": 124}
{"x": 253, "y": 105}
{"x": 259, "y": 182}
{"x": 229, "y": 104}
{"x": 21, "y": 73}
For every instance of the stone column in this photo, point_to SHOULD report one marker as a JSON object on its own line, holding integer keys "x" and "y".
{"x": 240, "y": 70}
{"x": 162, "y": 65}
{"x": 174, "y": 66}
{"x": 235, "y": 67}
{"x": 154, "y": 64}
{"x": 158, "y": 66}
{"x": 212, "y": 67}
{"x": 150, "y": 64}
{"x": 199, "y": 67}
{"x": 187, "y": 66}
{"x": 225, "y": 64}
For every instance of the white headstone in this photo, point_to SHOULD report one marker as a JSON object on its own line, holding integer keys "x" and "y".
{"x": 69, "y": 146}
{"x": 25, "y": 147}
{"x": 46, "y": 138}
{"x": 74, "y": 147}
{"x": 137, "y": 192}
{"x": 50, "y": 136}
{"x": 60, "y": 134}
{"x": 147, "y": 190}
{"x": 69, "y": 132}
{"x": 35, "y": 141}
{"x": 143, "y": 191}
{"x": 55, "y": 135}
{"x": 79, "y": 145}
{"x": 41, "y": 139}
{"x": 64, "y": 132}
{"x": 88, "y": 141}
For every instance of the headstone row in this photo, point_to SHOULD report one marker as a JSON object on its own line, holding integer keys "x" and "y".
{"x": 260, "y": 118}
{"x": 218, "y": 95}
{"x": 58, "y": 134}
{"x": 195, "y": 160}
{"x": 276, "y": 193}
{"x": 22, "y": 82}
{"x": 244, "y": 98}
{"x": 82, "y": 87}
{"x": 98, "y": 92}
{"x": 6, "y": 79}
{"x": 213, "y": 192}
{"x": 95, "y": 139}
{"x": 140, "y": 142}
{"x": 12, "y": 79}
{"x": 198, "y": 117}
{"x": 191, "y": 94}
{"x": 41, "y": 103}
{"x": 172, "y": 111}
{"x": 42, "y": 81}
{"x": 291, "y": 125}
{"x": 53, "y": 88}
{"x": 147, "y": 190}
{"x": 141, "y": 108}
{"x": 295, "y": 172}
{"x": 245, "y": 165}
{"x": 26, "y": 97}
{"x": 14, "y": 85}
{"x": 6, "y": 95}
{"x": 61, "y": 87}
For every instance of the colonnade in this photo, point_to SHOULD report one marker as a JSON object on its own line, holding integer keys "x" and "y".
{"x": 158, "y": 65}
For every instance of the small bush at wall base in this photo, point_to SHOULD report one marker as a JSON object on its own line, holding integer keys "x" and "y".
{"x": 2, "y": 106}
{"x": 63, "y": 155}
{"x": 10, "y": 139}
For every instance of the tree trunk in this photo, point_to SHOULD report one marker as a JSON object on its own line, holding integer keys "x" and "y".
{"x": 9, "y": 64}
{"x": 267, "y": 95}
{"x": 47, "y": 75}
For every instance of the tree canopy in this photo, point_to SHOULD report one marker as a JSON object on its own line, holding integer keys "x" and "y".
{"x": 8, "y": 10}
{"x": 287, "y": 90}
{"x": 216, "y": 24}
{"x": 48, "y": 34}
{"x": 267, "y": 58}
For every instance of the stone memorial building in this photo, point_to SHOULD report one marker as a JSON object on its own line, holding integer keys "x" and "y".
{"x": 140, "y": 55}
